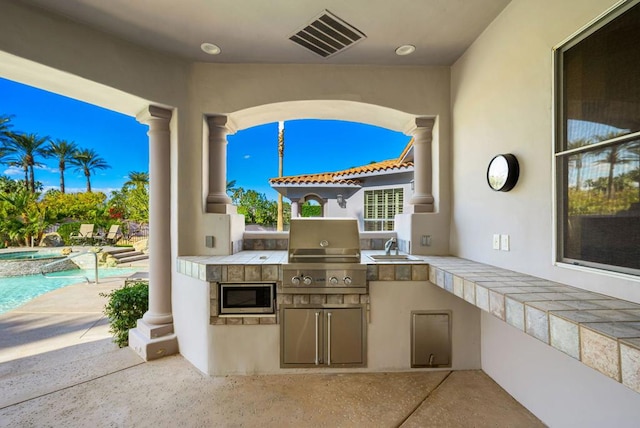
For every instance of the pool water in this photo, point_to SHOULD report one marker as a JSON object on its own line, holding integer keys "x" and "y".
{"x": 17, "y": 290}
{"x": 28, "y": 255}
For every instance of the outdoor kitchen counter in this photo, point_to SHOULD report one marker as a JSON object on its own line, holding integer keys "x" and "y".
{"x": 209, "y": 268}
{"x": 600, "y": 331}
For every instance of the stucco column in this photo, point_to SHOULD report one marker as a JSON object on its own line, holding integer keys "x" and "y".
{"x": 422, "y": 199}
{"x": 217, "y": 199}
{"x": 294, "y": 209}
{"x": 153, "y": 336}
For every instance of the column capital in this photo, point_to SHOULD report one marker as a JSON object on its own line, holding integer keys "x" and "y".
{"x": 221, "y": 121}
{"x": 153, "y": 112}
{"x": 418, "y": 124}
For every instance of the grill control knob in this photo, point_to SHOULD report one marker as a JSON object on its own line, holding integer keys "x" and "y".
{"x": 347, "y": 280}
{"x": 295, "y": 280}
{"x": 307, "y": 280}
{"x": 333, "y": 280}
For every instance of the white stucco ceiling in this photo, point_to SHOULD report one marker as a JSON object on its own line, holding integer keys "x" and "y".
{"x": 257, "y": 31}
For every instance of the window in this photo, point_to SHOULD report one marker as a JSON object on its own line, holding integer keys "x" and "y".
{"x": 598, "y": 144}
{"x": 380, "y": 208}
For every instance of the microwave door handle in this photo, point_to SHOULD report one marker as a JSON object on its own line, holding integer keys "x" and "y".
{"x": 317, "y": 335}
{"x": 328, "y": 338}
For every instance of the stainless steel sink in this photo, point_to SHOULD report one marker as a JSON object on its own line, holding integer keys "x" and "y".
{"x": 392, "y": 257}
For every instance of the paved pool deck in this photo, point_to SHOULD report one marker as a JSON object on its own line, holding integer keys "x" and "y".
{"x": 59, "y": 367}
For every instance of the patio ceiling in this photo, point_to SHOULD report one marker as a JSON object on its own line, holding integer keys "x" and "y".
{"x": 258, "y": 31}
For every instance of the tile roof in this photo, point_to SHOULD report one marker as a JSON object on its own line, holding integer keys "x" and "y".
{"x": 322, "y": 178}
{"x": 337, "y": 177}
{"x": 391, "y": 164}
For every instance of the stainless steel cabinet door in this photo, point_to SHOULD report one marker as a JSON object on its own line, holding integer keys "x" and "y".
{"x": 344, "y": 336}
{"x": 302, "y": 331}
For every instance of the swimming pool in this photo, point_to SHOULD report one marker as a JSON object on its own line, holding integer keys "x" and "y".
{"x": 29, "y": 255}
{"x": 16, "y": 291}
{"x": 31, "y": 262}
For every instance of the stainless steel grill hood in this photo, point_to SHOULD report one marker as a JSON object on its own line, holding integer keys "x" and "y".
{"x": 324, "y": 240}
{"x": 324, "y": 257}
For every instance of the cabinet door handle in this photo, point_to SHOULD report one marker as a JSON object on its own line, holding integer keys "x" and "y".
{"x": 328, "y": 338}
{"x": 317, "y": 334}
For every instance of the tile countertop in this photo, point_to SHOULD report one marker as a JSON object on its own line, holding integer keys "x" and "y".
{"x": 267, "y": 257}
{"x": 600, "y": 331}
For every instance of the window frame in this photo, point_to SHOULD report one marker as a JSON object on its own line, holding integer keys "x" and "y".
{"x": 560, "y": 142}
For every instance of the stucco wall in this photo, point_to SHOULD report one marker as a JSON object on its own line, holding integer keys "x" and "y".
{"x": 190, "y": 300}
{"x": 502, "y": 103}
{"x": 229, "y": 88}
{"x": 558, "y": 389}
{"x": 390, "y": 324}
{"x": 249, "y": 349}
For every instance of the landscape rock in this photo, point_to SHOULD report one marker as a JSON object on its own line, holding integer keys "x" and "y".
{"x": 110, "y": 261}
{"x": 142, "y": 245}
{"x": 51, "y": 240}
{"x": 102, "y": 257}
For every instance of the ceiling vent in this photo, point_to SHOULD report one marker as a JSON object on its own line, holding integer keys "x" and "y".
{"x": 327, "y": 35}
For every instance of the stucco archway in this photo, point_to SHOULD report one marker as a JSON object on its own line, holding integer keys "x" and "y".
{"x": 316, "y": 198}
{"x": 219, "y": 126}
{"x": 351, "y": 111}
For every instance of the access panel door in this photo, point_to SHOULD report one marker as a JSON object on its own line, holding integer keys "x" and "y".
{"x": 345, "y": 336}
{"x": 302, "y": 333}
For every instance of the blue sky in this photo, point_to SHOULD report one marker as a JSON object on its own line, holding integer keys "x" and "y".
{"x": 311, "y": 146}
{"x": 119, "y": 139}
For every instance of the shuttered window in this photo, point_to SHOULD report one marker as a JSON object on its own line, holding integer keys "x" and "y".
{"x": 380, "y": 208}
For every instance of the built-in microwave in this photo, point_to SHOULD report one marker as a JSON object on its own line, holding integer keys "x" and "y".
{"x": 247, "y": 298}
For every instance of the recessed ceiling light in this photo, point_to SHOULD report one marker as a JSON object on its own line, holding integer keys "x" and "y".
{"x": 210, "y": 48}
{"x": 405, "y": 50}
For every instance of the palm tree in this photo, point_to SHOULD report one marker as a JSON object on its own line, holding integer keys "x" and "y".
{"x": 62, "y": 150}
{"x": 24, "y": 150}
{"x": 231, "y": 187}
{"x": 613, "y": 156}
{"x": 86, "y": 161}
{"x": 579, "y": 157}
{"x": 635, "y": 152}
{"x": 137, "y": 179}
{"x": 5, "y": 128}
{"x": 20, "y": 161}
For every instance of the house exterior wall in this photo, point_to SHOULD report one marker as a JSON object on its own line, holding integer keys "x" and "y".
{"x": 355, "y": 204}
{"x": 355, "y": 201}
{"x": 502, "y": 102}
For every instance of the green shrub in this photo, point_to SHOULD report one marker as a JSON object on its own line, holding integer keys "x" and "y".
{"x": 67, "y": 229}
{"x": 125, "y": 307}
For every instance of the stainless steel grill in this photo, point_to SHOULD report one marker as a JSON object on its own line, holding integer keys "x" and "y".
{"x": 324, "y": 257}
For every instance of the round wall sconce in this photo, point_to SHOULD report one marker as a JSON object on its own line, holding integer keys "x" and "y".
{"x": 503, "y": 172}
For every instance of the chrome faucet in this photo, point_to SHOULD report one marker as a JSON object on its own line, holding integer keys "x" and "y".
{"x": 389, "y": 245}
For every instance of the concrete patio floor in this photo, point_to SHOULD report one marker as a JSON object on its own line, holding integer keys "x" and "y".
{"x": 58, "y": 367}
